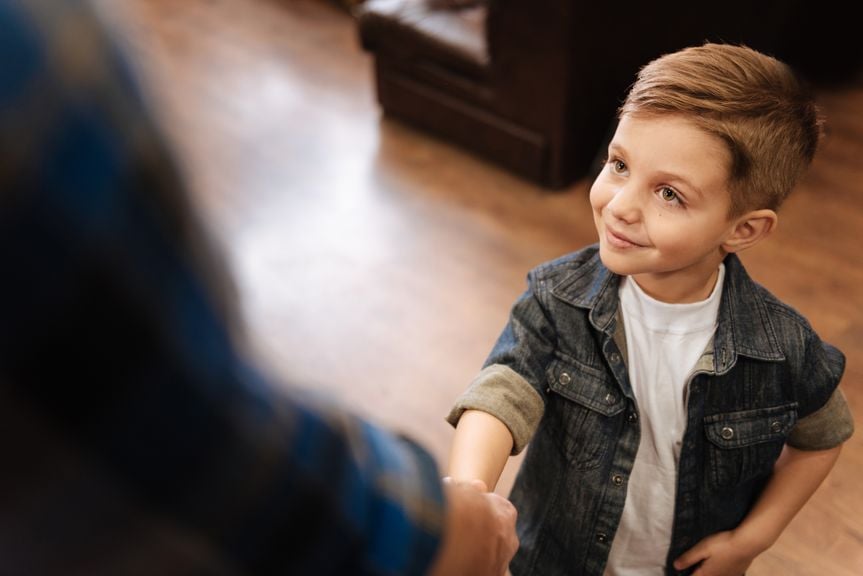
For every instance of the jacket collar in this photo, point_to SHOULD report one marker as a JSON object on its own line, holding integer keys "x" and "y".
{"x": 744, "y": 326}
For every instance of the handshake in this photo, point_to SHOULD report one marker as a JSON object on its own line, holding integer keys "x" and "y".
{"x": 479, "y": 532}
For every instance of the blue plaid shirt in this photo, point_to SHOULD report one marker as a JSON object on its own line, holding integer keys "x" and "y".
{"x": 133, "y": 436}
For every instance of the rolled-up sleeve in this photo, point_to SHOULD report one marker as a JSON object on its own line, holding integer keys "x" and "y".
{"x": 511, "y": 383}
{"x": 825, "y": 419}
{"x": 825, "y": 428}
{"x": 502, "y": 392}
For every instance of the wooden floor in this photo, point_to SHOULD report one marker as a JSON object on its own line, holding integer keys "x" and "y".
{"x": 377, "y": 265}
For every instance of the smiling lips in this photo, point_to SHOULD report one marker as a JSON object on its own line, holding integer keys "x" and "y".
{"x": 618, "y": 240}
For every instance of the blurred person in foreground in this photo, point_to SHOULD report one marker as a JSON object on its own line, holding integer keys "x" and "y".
{"x": 135, "y": 437}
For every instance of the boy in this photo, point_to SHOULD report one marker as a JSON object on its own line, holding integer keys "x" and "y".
{"x": 679, "y": 415}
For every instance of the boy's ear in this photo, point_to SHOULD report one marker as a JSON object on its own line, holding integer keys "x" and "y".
{"x": 750, "y": 229}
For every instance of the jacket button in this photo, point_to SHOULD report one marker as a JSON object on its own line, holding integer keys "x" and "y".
{"x": 632, "y": 417}
{"x": 602, "y": 537}
{"x": 617, "y": 480}
{"x": 565, "y": 378}
{"x": 727, "y": 433}
{"x": 610, "y": 399}
{"x": 615, "y": 357}
{"x": 776, "y": 426}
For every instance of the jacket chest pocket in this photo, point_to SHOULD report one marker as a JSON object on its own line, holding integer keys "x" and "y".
{"x": 744, "y": 445}
{"x": 579, "y": 411}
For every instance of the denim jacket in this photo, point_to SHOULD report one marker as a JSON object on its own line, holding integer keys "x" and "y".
{"x": 557, "y": 378}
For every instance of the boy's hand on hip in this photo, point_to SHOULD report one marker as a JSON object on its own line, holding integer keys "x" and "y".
{"x": 719, "y": 555}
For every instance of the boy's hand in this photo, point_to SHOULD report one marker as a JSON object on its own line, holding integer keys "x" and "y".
{"x": 796, "y": 476}
{"x": 720, "y": 555}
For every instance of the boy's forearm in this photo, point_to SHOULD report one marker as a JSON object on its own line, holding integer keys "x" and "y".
{"x": 480, "y": 449}
{"x": 797, "y": 475}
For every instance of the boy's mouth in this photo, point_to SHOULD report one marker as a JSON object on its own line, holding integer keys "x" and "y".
{"x": 618, "y": 240}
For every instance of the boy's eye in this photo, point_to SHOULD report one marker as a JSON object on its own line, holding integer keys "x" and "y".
{"x": 668, "y": 194}
{"x": 618, "y": 166}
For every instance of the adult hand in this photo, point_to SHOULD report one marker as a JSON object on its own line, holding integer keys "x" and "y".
{"x": 479, "y": 533}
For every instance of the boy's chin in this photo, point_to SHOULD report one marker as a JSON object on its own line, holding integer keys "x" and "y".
{"x": 616, "y": 263}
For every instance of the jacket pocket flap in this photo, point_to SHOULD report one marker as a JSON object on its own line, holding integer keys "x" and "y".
{"x": 585, "y": 386}
{"x": 748, "y": 427}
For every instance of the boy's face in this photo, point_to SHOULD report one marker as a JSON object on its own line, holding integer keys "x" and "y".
{"x": 661, "y": 206}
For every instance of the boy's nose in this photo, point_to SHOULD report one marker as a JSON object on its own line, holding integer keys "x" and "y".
{"x": 624, "y": 204}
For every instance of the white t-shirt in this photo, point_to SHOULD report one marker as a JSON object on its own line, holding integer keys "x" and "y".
{"x": 664, "y": 342}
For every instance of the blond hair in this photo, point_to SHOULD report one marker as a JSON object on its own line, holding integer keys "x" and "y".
{"x": 752, "y": 102}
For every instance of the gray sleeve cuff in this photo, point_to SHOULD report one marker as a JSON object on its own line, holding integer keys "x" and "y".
{"x": 500, "y": 391}
{"x": 827, "y": 427}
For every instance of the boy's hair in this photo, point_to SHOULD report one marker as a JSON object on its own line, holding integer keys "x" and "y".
{"x": 754, "y": 103}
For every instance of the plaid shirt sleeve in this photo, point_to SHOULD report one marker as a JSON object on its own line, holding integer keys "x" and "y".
{"x": 134, "y": 438}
